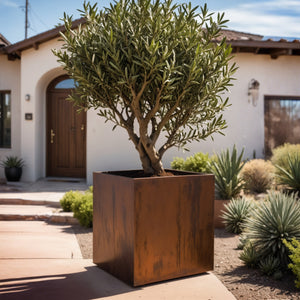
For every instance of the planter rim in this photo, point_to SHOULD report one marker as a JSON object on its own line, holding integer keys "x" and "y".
{"x": 176, "y": 173}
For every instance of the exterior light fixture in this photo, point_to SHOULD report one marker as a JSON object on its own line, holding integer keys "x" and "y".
{"x": 27, "y": 97}
{"x": 253, "y": 89}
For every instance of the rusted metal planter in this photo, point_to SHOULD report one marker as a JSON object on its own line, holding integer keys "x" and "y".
{"x": 219, "y": 207}
{"x": 154, "y": 228}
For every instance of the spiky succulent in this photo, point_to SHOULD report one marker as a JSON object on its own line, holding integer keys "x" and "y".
{"x": 290, "y": 175}
{"x": 236, "y": 213}
{"x": 226, "y": 169}
{"x": 273, "y": 220}
{"x": 249, "y": 255}
{"x": 269, "y": 265}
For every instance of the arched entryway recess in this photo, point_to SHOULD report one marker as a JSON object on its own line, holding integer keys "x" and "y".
{"x": 65, "y": 132}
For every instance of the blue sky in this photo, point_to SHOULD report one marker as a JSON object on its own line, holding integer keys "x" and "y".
{"x": 265, "y": 17}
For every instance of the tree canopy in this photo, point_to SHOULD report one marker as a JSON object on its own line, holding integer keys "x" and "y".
{"x": 155, "y": 68}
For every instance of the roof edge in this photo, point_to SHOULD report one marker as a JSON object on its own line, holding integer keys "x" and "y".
{"x": 33, "y": 42}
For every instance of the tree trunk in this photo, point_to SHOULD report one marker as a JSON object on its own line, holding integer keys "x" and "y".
{"x": 152, "y": 163}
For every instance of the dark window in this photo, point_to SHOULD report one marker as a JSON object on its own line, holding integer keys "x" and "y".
{"x": 282, "y": 121}
{"x": 5, "y": 119}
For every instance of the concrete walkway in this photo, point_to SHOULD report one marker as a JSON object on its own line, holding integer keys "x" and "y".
{"x": 39, "y": 260}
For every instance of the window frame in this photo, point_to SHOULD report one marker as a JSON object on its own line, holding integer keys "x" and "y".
{"x": 10, "y": 144}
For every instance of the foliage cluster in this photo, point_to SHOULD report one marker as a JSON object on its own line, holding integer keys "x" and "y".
{"x": 294, "y": 247}
{"x": 199, "y": 162}
{"x": 281, "y": 154}
{"x": 290, "y": 174}
{"x": 152, "y": 68}
{"x": 257, "y": 175}
{"x": 236, "y": 213}
{"x": 12, "y": 162}
{"x": 226, "y": 168}
{"x": 81, "y": 204}
{"x": 271, "y": 221}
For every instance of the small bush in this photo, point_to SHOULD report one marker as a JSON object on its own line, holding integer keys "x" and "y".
{"x": 236, "y": 213}
{"x": 281, "y": 153}
{"x": 81, "y": 204}
{"x": 83, "y": 209}
{"x": 294, "y": 247}
{"x": 199, "y": 162}
{"x": 258, "y": 175}
{"x": 227, "y": 169}
{"x": 68, "y": 199}
{"x": 290, "y": 175}
{"x": 273, "y": 220}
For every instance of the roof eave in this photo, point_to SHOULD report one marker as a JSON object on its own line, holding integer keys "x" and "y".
{"x": 33, "y": 42}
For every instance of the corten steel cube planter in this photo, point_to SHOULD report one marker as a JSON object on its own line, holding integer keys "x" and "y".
{"x": 153, "y": 228}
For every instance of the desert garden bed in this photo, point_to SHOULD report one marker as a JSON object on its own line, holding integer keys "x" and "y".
{"x": 242, "y": 282}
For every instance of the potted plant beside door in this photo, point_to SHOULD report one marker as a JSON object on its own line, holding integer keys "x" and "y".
{"x": 12, "y": 167}
{"x": 156, "y": 69}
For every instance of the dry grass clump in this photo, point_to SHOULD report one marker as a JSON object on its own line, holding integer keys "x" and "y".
{"x": 258, "y": 175}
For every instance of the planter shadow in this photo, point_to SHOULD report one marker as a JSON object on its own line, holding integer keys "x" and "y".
{"x": 152, "y": 229}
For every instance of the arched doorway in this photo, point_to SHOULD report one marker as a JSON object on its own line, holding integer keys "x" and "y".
{"x": 65, "y": 132}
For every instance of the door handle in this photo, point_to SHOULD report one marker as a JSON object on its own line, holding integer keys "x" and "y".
{"x": 82, "y": 127}
{"x": 52, "y": 135}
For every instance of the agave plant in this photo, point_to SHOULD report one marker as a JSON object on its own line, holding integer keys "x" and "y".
{"x": 235, "y": 214}
{"x": 226, "y": 169}
{"x": 249, "y": 255}
{"x": 12, "y": 162}
{"x": 290, "y": 175}
{"x": 269, "y": 265}
{"x": 272, "y": 221}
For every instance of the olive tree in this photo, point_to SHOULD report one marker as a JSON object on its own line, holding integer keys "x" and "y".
{"x": 155, "y": 68}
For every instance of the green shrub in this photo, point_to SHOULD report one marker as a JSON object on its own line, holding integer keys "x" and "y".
{"x": 81, "y": 204}
{"x": 83, "y": 209}
{"x": 68, "y": 199}
{"x": 280, "y": 155}
{"x": 258, "y": 175}
{"x": 294, "y": 247}
{"x": 178, "y": 163}
{"x": 227, "y": 173}
{"x": 199, "y": 162}
{"x": 290, "y": 175}
{"x": 273, "y": 220}
{"x": 236, "y": 213}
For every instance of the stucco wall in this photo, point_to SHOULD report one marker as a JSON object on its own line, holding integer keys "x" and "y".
{"x": 10, "y": 80}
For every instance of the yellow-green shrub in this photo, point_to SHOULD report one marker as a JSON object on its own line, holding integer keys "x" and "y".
{"x": 81, "y": 204}
{"x": 294, "y": 247}
{"x": 199, "y": 162}
{"x": 258, "y": 175}
{"x": 281, "y": 153}
{"x": 68, "y": 199}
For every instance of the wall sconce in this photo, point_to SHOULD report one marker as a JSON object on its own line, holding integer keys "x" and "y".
{"x": 253, "y": 89}
{"x": 27, "y": 97}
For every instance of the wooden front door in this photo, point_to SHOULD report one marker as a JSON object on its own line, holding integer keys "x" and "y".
{"x": 65, "y": 132}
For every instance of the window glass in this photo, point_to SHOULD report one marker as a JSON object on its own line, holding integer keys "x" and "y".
{"x": 5, "y": 120}
{"x": 282, "y": 122}
{"x": 66, "y": 84}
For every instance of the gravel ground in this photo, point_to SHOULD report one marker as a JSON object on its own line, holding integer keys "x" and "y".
{"x": 244, "y": 283}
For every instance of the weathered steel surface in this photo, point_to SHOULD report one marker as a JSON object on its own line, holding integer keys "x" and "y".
{"x": 153, "y": 229}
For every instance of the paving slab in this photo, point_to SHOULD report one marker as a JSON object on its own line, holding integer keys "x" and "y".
{"x": 81, "y": 279}
{"x": 44, "y": 190}
{"x": 38, "y": 241}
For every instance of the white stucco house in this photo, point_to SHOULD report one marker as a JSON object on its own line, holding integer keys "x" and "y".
{"x": 265, "y": 109}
